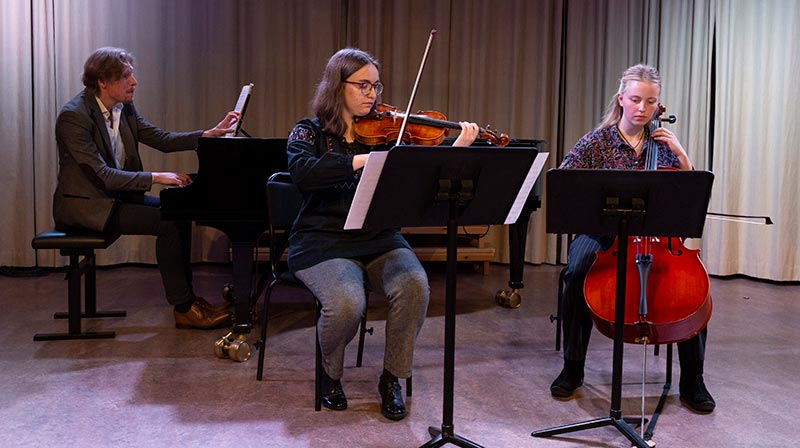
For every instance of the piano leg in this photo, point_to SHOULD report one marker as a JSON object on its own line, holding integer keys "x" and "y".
{"x": 234, "y": 344}
{"x": 517, "y": 234}
{"x": 516, "y": 245}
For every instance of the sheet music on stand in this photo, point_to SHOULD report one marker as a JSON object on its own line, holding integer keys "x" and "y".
{"x": 241, "y": 107}
{"x": 372, "y": 173}
{"x": 365, "y": 189}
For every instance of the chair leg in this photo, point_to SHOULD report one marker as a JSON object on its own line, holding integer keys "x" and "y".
{"x": 262, "y": 341}
{"x": 362, "y": 333}
{"x": 669, "y": 363}
{"x": 317, "y": 374}
{"x": 74, "y": 296}
{"x": 408, "y": 387}
{"x": 90, "y": 293}
{"x": 90, "y": 285}
{"x": 317, "y": 362}
{"x": 73, "y": 314}
{"x": 559, "y": 307}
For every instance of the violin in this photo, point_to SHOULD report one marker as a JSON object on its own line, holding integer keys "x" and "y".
{"x": 667, "y": 296}
{"x": 383, "y": 124}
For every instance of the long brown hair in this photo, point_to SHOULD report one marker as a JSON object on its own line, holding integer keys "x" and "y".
{"x": 639, "y": 72}
{"x": 329, "y": 100}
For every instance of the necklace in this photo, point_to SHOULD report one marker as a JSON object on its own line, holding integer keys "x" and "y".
{"x": 639, "y": 138}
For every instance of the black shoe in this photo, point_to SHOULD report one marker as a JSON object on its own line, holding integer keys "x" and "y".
{"x": 392, "y": 406}
{"x": 332, "y": 393}
{"x": 695, "y": 395}
{"x": 570, "y": 378}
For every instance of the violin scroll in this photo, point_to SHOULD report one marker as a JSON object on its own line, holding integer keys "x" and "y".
{"x": 494, "y": 137}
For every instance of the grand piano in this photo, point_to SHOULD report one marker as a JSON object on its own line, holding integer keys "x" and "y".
{"x": 229, "y": 194}
{"x": 517, "y": 233}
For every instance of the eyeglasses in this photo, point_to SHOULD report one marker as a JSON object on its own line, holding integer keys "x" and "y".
{"x": 366, "y": 86}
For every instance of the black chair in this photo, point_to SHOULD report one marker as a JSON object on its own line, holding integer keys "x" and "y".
{"x": 76, "y": 244}
{"x": 561, "y": 279}
{"x": 284, "y": 201}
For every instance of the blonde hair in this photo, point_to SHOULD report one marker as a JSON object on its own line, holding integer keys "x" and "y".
{"x": 639, "y": 72}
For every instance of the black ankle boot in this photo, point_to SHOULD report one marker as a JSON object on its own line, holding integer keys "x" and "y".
{"x": 332, "y": 393}
{"x": 570, "y": 378}
{"x": 693, "y": 390}
{"x": 392, "y": 406}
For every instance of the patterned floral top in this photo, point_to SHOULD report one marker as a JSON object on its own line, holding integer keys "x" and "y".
{"x": 322, "y": 167}
{"x": 605, "y": 149}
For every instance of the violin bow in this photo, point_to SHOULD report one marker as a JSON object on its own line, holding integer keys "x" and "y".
{"x": 746, "y": 219}
{"x": 414, "y": 90}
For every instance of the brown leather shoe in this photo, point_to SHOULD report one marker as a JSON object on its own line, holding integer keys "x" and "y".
{"x": 200, "y": 317}
{"x": 213, "y": 308}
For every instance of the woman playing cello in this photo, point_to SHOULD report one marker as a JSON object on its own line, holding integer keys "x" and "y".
{"x": 619, "y": 142}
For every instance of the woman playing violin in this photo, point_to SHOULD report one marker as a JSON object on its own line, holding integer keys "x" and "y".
{"x": 325, "y": 161}
{"x": 621, "y": 141}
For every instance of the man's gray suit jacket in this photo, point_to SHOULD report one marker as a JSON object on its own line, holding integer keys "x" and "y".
{"x": 89, "y": 184}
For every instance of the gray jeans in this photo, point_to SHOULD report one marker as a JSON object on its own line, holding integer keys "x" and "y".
{"x": 340, "y": 286}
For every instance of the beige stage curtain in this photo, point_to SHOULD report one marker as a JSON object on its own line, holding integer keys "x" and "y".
{"x": 493, "y": 61}
{"x": 755, "y": 155}
{"x": 17, "y": 180}
{"x": 487, "y": 65}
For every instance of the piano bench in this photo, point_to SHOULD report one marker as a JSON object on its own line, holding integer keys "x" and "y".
{"x": 76, "y": 244}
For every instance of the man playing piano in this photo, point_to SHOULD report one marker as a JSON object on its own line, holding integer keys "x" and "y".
{"x": 102, "y": 185}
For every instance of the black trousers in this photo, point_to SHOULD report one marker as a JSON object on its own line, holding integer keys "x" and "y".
{"x": 173, "y": 244}
{"x": 577, "y": 319}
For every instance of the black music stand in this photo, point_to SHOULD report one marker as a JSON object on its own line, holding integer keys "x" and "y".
{"x": 431, "y": 186}
{"x": 622, "y": 203}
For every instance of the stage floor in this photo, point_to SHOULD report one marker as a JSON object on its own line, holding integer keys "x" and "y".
{"x": 154, "y": 385}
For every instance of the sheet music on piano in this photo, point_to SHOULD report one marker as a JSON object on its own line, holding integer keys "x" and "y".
{"x": 241, "y": 107}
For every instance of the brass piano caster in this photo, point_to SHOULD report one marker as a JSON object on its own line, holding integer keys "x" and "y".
{"x": 508, "y": 299}
{"x": 232, "y": 347}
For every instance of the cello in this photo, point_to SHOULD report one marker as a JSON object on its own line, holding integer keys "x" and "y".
{"x": 667, "y": 296}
